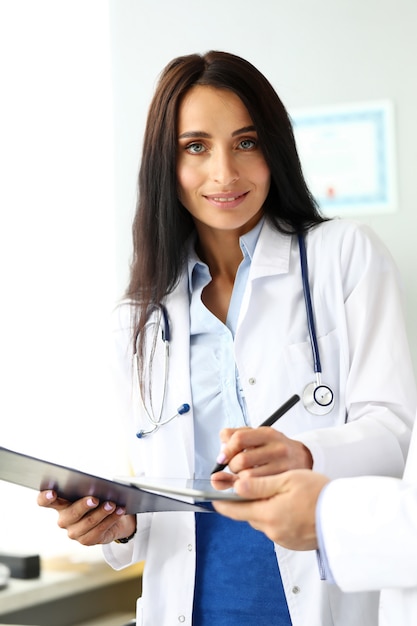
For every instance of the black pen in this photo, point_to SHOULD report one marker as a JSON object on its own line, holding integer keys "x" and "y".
{"x": 268, "y": 422}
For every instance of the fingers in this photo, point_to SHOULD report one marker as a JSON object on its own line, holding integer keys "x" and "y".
{"x": 222, "y": 480}
{"x": 283, "y": 506}
{"x": 87, "y": 520}
{"x": 90, "y": 522}
{"x": 274, "y": 457}
{"x": 239, "y": 511}
{"x": 46, "y": 498}
{"x": 231, "y": 445}
{"x": 99, "y": 524}
{"x": 250, "y": 488}
{"x": 256, "y": 489}
{"x": 262, "y": 451}
{"x": 50, "y": 499}
{"x": 259, "y": 488}
{"x": 236, "y": 443}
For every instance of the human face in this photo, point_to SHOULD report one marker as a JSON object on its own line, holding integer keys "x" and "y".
{"x": 223, "y": 178}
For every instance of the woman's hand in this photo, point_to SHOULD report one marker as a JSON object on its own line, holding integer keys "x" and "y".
{"x": 262, "y": 451}
{"x": 87, "y": 520}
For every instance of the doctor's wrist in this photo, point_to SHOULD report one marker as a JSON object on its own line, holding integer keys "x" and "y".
{"x": 130, "y": 523}
{"x": 126, "y": 539}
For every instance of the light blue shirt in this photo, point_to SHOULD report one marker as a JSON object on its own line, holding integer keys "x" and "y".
{"x": 217, "y": 396}
{"x": 247, "y": 588}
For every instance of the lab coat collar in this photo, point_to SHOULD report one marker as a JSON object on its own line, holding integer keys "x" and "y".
{"x": 272, "y": 253}
{"x": 270, "y": 256}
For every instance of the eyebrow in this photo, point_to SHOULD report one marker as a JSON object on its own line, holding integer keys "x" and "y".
{"x": 194, "y": 134}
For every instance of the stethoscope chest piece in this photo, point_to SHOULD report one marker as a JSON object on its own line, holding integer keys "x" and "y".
{"x": 318, "y": 399}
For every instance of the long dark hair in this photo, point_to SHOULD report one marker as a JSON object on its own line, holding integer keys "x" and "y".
{"x": 161, "y": 224}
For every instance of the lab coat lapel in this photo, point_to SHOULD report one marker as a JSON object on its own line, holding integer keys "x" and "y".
{"x": 179, "y": 385}
{"x": 271, "y": 257}
{"x": 272, "y": 253}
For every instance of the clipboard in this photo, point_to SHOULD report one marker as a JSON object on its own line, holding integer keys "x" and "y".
{"x": 197, "y": 490}
{"x": 72, "y": 484}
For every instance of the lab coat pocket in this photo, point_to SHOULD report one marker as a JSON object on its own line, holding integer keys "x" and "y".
{"x": 299, "y": 364}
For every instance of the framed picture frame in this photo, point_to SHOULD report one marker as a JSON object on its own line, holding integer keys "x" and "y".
{"x": 348, "y": 157}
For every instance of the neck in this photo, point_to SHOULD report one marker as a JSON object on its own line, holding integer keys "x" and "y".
{"x": 221, "y": 251}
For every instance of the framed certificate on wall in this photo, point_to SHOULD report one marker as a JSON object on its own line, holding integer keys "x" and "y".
{"x": 348, "y": 157}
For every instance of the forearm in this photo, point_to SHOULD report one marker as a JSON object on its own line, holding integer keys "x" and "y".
{"x": 372, "y": 444}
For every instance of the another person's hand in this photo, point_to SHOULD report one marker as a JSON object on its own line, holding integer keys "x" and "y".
{"x": 262, "y": 451}
{"x": 283, "y": 506}
{"x": 87, "y": 520}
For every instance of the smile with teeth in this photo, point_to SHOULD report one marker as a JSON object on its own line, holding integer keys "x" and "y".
{"x": 226, "y": 198}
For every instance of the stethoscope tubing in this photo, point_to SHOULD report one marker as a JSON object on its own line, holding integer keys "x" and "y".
{"x": 309, "y": 307}
{"x": 313, "y": 404}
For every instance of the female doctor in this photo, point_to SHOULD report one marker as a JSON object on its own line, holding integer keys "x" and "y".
{"x": 228, "y": 313}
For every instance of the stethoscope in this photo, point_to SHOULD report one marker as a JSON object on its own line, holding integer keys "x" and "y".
{"x": 317, "y": 397}
{"x": 157, "y": 422}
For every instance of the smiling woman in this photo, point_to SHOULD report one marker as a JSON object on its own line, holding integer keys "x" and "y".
{"x": 222, "y": 174}
{"x": 223, "y": 181}
{"x": 217, "y": 273}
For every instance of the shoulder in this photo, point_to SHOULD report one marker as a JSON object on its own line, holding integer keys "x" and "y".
{"x": 349, "y": 253}
{"x": 349, "y": 241}
{"x": 341, "y": 230}
{"x": 123, "y": 324}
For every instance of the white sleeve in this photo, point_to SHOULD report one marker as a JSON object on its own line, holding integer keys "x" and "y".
{"x": 369, "y": 530}
{"x": 380, "y": 395}
{"x": 124, "y": 404}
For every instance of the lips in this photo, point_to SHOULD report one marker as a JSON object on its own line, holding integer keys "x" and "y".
{"x": 226, "y": 198}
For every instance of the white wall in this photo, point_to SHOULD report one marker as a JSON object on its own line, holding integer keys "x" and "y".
{"x": 315, "y": 53}
{"x": 57, "y": 248}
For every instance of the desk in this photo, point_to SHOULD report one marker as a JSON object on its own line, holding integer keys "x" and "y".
{"x": 81, "y": 594}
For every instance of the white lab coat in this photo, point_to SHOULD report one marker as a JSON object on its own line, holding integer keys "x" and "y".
{"x": 365, "y": 359}
{"x": 370, "y": 532}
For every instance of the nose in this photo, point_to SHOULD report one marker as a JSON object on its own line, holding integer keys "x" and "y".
{"x": 224, "y": 170}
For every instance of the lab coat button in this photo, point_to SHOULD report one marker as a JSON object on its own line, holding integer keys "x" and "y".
{"x": 190, "y": 547}
{"x": 252, "y": 381}
{"x": 296, "y": 589}
{"x": 181, "y": 618}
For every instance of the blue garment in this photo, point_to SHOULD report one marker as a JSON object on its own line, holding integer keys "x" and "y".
{"x": 237, "y": 576}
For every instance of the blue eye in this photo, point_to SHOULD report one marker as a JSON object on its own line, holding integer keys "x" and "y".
{"x": 247, "y": 144}
{"x": 195, "y": 148}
